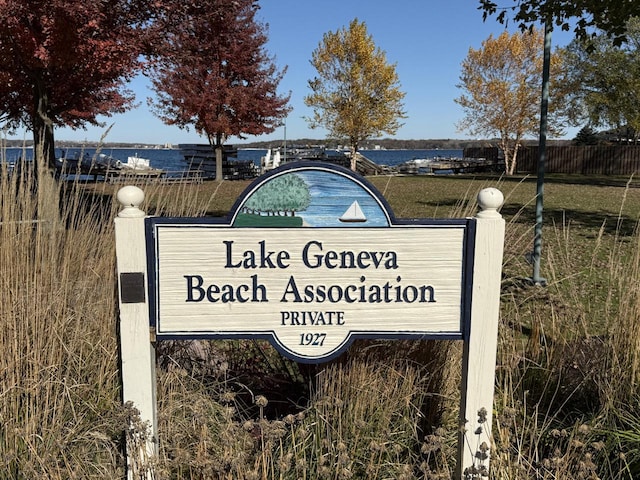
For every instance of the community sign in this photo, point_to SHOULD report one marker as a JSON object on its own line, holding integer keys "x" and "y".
{"x": 310, "y": 257}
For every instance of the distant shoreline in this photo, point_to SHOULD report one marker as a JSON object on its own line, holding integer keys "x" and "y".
{"x": 374, "y": 144}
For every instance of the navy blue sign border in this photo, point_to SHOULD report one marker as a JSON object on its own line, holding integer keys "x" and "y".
{"x": 152, "y": 224}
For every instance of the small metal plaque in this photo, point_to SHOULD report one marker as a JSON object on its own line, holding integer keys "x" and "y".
{"x": 132, "y": 287}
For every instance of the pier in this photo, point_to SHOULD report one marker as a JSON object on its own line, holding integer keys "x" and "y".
{"x": 449, "y": 166}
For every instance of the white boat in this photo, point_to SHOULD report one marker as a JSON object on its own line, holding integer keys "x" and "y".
{"x": 278, "y": 156}
{"x": 137, "y": 163}
{"x": 353, "y": 214}
{"x": 265, "y": 162}
{"x": 271, "y": 160}
{"x": 276, "y": 159}
{"x": 421, "y": 162}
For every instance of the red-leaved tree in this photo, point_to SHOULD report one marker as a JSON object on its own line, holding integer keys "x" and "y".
{"x": 212, "y": 71}
{"x": 64, "y": 62}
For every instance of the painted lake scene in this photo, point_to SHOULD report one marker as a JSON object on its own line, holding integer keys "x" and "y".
{"x": 301, "y": 199}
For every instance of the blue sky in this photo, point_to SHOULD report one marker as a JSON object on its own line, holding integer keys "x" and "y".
{"x": 427, "y": 40}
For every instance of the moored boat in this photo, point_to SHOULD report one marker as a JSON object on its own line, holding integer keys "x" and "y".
{"x": 277, "y": 156}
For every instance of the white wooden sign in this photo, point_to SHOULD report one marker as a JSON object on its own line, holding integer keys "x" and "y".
{"x": 310, "y": 291}
{"x": 311, "y": 258}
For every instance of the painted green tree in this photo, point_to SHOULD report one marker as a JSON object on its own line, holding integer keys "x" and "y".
{"x": 285, "y": 195}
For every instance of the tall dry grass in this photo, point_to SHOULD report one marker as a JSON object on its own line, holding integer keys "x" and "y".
{"x": 364, "y": 419}
{"x": 567, "y": 375}
{"x": 59, "y": 385}
{"x": 566, "y": 387}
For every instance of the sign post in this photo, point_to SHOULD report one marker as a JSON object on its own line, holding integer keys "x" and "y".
{"x": 137, "y": 350}
{"x": 481, "y": 339}
{"x": 312, "y": 258}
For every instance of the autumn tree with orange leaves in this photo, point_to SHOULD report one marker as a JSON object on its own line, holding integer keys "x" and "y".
{"x": 356, "y": 93}
{"x": 64, "y": 62}
{"x": 501, "y": 82}
{"x": 212, "y": 71}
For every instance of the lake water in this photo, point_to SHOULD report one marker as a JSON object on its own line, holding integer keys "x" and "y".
{"x": 172, "y": 159}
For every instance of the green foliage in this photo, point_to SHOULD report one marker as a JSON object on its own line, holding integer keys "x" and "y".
{"x": 586, "y": 16}
{"x": 586, "y": 136}
{"x": 356, "y": 94}
{"x": 604, "y": 80}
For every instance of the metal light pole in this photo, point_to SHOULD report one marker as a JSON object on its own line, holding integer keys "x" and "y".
{"x": 542, "y": 155}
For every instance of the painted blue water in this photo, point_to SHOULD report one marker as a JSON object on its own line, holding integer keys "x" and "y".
{"x": 326, "y": 207}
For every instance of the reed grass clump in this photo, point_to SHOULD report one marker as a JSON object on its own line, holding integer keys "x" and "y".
{"x": 60, "y": 414}
{"x": 567, "y": 378}
{"x": 364, "y": 418}
{"x": 567, "y": 360}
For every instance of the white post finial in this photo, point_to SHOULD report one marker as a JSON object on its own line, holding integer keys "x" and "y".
{"x": 490, "y": 200}
{"x": 130, "y": 197}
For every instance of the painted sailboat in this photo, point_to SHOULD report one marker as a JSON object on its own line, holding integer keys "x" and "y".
{"x": 353, "y": 214}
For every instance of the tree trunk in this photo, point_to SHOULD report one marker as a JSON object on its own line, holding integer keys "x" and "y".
{"x": 510, "y": 156}
{"x": 44, "y": 158}
{"x": 43, "y": 140}
{"x": 514, "y": 159}
{"x": 218, "y": 150}
{"x": 219, "y": 176}
{"x": 354, "y": 159}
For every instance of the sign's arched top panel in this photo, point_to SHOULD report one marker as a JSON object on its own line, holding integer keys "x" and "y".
{"x": 311, "y": 194}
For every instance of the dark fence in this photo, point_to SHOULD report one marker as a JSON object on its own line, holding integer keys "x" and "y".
{"x": 490, "y": 153}
{"x": 584, "y": 160}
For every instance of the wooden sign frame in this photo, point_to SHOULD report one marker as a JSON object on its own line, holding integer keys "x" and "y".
{"x": 329, "y": 270}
